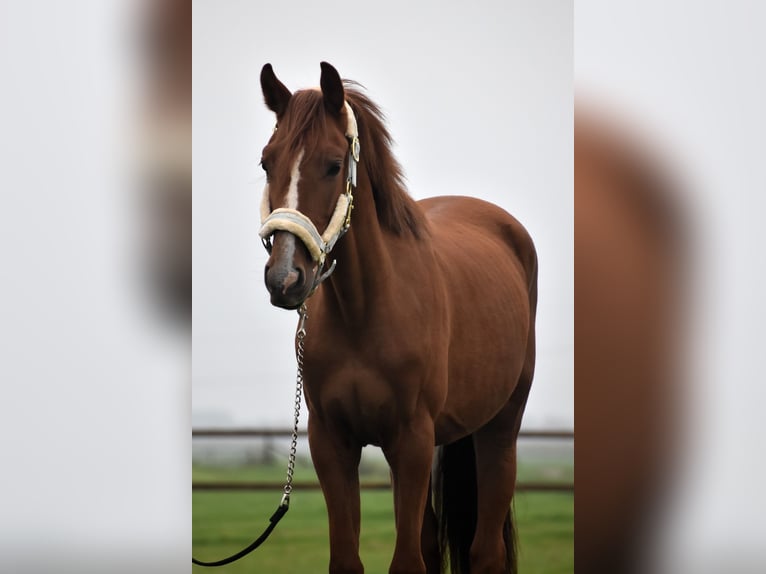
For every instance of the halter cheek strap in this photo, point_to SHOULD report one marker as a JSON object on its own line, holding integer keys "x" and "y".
{"x": 295, "y": 222}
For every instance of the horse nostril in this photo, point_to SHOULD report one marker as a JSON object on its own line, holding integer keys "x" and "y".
{"x": 294, "y": 278}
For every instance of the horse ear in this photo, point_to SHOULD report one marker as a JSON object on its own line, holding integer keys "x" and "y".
{"x": 332, "y": 89}
{"x": 275, "y": 94}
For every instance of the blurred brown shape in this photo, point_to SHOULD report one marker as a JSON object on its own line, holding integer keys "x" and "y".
{"x": 166, "y": 41}
{"x": 629, "y": 275}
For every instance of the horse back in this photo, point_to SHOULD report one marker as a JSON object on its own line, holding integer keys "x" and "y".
{"x": 462, "y": 226}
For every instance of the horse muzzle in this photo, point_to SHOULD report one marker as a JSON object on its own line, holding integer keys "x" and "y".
{"x": 295, "y": 232}
{"x": 289, "y": 273}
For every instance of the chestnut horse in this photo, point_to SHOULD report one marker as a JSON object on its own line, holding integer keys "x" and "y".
{"x": 424, "y": 334}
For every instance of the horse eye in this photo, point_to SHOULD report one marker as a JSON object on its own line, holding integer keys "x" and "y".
{"x": 333, "y": 170}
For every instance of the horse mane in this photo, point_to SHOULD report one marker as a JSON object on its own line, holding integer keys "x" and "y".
{"x": 397, "y": 211}
{"x": 305, "y": 123}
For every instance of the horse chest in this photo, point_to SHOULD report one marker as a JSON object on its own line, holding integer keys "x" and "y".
{"x": 359, "y": 395}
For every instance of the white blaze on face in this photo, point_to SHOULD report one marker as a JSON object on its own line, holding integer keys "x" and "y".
{"x": 291, "y": 202}
{"x": 265, "y": 204}
{"x": 292, "y": 189}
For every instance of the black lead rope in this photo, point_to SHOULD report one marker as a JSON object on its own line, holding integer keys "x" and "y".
{"x": 273, "y": 521}
{"x": 284, "y": 505}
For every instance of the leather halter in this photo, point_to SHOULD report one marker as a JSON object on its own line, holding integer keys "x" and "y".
{"x": 295, "y": 222}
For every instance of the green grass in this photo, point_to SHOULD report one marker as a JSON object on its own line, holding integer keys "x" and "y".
{"x": 225, "y": 522}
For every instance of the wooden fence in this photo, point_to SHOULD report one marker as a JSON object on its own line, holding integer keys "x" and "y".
{"x": 537, "y": 486}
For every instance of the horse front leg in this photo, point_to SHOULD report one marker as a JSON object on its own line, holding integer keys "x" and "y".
{"x": 336, "y": 461}
{"x": 410, "y": 456}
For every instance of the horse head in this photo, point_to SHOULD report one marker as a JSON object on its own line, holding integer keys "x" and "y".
{"x": 307, "y": 201}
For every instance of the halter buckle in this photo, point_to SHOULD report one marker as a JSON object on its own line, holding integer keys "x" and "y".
{"x": 350, "y": 208}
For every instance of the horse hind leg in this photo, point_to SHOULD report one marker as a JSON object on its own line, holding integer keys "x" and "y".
{"x": 493, "y": 550}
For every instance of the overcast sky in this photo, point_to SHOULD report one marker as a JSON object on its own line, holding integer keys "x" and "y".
{"x": 479, "y": 101}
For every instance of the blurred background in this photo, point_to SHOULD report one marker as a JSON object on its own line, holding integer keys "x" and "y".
{"x": 668, "y": 313}
{"x": 95, "y": 109}
{"x": 95, "y": 375}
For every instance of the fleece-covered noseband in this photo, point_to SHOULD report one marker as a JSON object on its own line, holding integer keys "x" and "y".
{"x": 295, "y": 222}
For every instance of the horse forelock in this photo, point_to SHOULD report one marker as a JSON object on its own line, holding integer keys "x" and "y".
{"x": 304, "y": 121}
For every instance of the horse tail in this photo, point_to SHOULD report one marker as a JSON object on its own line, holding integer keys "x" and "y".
{"x": 509, "y": 539}
{"x": 455, "y": 503}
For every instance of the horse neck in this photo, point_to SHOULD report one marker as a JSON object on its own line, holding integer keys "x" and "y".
{"x": 362, "y": 273}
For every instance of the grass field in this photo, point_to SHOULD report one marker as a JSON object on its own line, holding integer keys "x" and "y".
{"x": 225, "y": 522}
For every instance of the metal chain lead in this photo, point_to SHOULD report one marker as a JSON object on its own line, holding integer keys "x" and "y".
{"x": 284, "y": 505}
{"x": 299, "y": 337}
